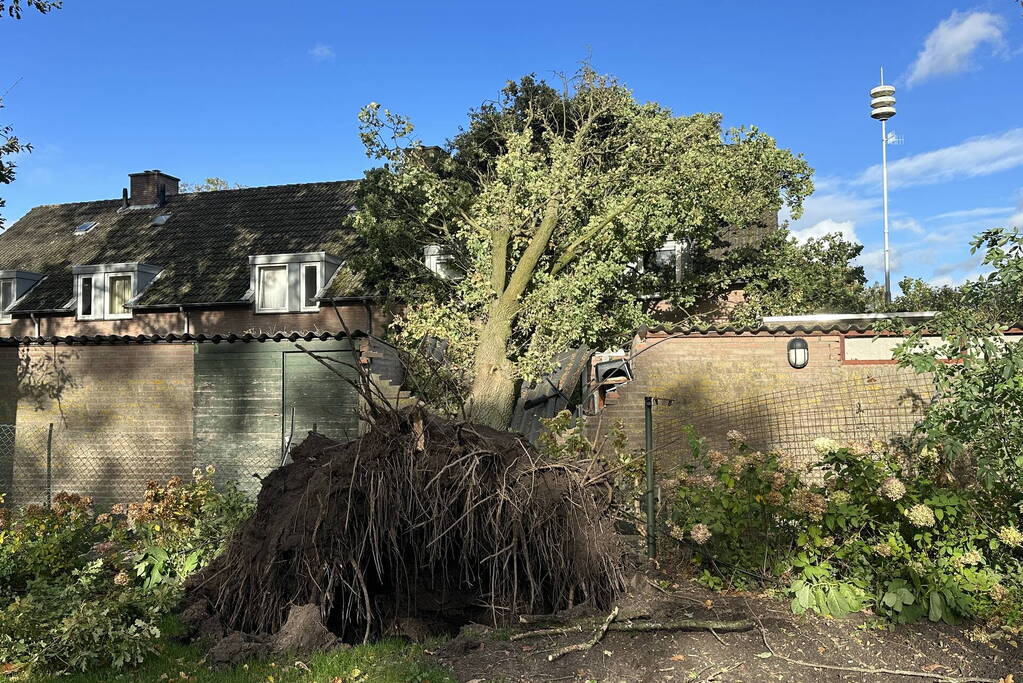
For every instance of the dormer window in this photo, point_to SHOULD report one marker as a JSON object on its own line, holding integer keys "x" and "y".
{"x": 439, "y": 262}
{"x": 14, "y": 284}
{"x": 290, "y": 283}
{"x": 6, "y": 296}
{"x": 106, "y": 291}
{"x": 272, "y": 289}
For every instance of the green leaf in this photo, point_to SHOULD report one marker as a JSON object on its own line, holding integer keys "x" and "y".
{"x": 937, "y": 609}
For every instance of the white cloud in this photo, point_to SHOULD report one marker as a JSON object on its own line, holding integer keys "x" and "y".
{"x": 951, "y": 281}
{"x": 874, "y": 260}
{"x": 836, "y": 206}
{"x": 908, "y": 224}
{"x": 971, "y": 158}
{"x": 979, "y": 212}
{"x": 969, "y": 264}
{"x": 846, "y": 228}
{"x": 322, "y": 53}
{"x": 1016, "y": 219}
{"x": 950, "y": 47}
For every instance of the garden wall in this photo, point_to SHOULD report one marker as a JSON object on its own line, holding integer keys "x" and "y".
{"x": 720, "y": 381}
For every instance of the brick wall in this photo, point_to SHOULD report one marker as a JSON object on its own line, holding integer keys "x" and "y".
{"x": 201, "y": 321}
{"x": 721, "y": 382}
{"x": 121, "y": 415}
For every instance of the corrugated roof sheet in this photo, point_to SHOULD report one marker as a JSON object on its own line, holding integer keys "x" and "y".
{"x": 120, "y": 339}
{"x": 203, "y": 248}
{"x": 815, "y": 328}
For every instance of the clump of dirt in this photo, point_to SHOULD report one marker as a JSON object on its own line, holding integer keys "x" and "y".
{"x": 420, "y": 521}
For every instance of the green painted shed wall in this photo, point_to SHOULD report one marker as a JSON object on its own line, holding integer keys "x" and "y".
{"x": 245, "y": 394}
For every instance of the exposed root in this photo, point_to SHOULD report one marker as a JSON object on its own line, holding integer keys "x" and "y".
{"x": 419, "y": 516}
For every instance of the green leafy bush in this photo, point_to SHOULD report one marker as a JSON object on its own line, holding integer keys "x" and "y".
{"x": 79, "y": 590}
{"x": 869, "y": 526}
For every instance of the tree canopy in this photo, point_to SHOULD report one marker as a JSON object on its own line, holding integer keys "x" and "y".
{"x": 547, "y": 201}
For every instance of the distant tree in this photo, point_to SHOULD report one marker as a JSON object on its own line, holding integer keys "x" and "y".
{"x": 780, "y": 276}
{"x": 546, "y": 202}
{"x": 210, "y": 185}
{"x": 13, "y": 8}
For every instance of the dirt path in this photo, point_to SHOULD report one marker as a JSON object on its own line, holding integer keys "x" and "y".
{"x": 701, "y": 656}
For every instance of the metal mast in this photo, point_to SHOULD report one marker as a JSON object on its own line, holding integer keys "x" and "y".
{"x": 882, "y": 108}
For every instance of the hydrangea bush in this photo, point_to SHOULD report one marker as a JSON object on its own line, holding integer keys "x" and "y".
{"x": 79, "y": 590}
{"x": 870, "y": 527}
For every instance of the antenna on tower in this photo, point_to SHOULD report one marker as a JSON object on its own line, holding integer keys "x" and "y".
{"x": 892, "y": 139}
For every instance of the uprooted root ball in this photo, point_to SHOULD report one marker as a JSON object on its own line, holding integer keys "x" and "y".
{"x": 420, "y": 517}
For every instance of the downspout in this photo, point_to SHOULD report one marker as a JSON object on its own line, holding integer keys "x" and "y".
{"x": 188, "y": 322}
{"x": 35, "y": 321}
{"x": 369, "y": 317}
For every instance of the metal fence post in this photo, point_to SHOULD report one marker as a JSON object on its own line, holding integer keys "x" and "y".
{"x": 651, "y": 520}
{"x": 49, "y": 466}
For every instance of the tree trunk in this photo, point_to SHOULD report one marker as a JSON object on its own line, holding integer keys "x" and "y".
{"x": 492, "y": 397}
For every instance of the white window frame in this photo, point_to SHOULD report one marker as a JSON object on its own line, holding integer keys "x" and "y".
{"x": 259, "y": 288}
{"x": 5, "y": 316}
{"x": 108, "y": 290}
{"x": 94, "y": 315}
{"x": 315, "y": 306}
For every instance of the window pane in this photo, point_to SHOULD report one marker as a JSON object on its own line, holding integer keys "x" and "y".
{"x": 86, "y": 295}
{"x": 311, "y": 283}
{"x": 6, "y": 295}
{"x": 273, "y": 287}
{"x": 120, "y": 292}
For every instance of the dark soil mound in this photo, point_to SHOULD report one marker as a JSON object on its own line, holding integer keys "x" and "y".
{"x": 419, "y": 518}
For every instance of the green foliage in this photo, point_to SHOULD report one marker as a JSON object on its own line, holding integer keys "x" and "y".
{"x": 78, "y": 622}
{"x": 79, "y": 590}
{"x": 384, "y": 661}
{"x": 564, "y": 438}
{"x": 866, "y": 526}
{"x": 546, "y": 202}
{"x": 212, "y": 184}
{"x": 13, "y": 8}
{"x": 976, "y": 428}
{"x": 780, "y": 276}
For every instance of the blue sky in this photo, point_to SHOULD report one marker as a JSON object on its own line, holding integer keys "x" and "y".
{"x": 266, "y": 93}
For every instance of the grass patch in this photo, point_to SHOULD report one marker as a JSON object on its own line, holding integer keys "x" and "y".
{"x": 386, "y": 661}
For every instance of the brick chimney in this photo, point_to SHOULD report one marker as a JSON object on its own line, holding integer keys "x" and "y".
{"x": 151, "y": 188}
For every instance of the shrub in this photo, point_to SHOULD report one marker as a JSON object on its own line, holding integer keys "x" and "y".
{"x": 78, "y": 622}
{"x": 78, "y": 590}
{"x": 871, "y": 527}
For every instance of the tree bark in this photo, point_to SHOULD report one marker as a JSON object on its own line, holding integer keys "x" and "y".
{"x": 492, "y": 396}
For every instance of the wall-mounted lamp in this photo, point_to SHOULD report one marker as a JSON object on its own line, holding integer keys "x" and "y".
{"x": 799, "y": 353}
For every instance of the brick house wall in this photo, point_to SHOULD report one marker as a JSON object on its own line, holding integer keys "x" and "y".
{"x": 204, "y": 321}
{"x": 122, "y": 415}
{"x": 719, "y": 382}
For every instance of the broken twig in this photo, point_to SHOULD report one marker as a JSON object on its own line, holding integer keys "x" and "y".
{"x": 601, "y": 632}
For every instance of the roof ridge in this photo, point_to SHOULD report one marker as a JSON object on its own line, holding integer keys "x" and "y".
{"x": 267, "y": 187}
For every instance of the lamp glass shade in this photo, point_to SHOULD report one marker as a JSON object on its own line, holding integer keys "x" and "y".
{"x": 799, "y": 353}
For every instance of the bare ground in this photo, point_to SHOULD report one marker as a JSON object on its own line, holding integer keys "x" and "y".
{"x": 934, "y": 650}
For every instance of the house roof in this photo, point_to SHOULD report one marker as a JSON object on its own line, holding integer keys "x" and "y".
{"x": 127, "y": 339}
{"x": 203, "y": 248}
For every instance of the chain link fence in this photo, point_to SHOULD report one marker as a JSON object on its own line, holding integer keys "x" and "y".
{"x": 38, "y": 461}
{"x": 859, "y": 409}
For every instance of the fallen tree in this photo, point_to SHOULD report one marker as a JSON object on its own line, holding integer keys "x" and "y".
{"x": 421, "y": 517}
